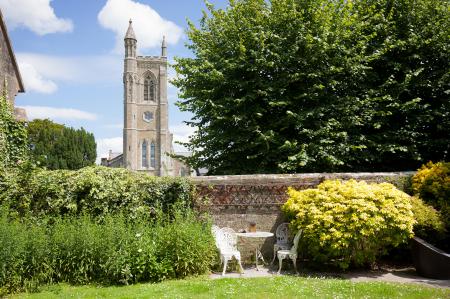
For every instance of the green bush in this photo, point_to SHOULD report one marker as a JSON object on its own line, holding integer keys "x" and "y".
{"x": 432, "y": 184}
{"x": 80, "y": 249}
{"x": 97, "y": 191}
{"x": 350, "y": 223}
{"x": 429, "y": 225}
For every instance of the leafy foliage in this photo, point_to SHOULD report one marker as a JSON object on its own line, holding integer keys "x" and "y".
{"x": 429, "y": 224}
{"x": 97, "y": 191}
{"x": 350, "y": 223}
{"x": 432, "y": 184}
{"x": 313, "y": 85}
{"x": 13, "y": 137}
{"x": 56, "y": 146}
{"x": 115, "y": 251}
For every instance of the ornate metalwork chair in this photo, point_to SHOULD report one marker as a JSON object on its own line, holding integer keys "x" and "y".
{"x": 226, "y": 242}
{"x": 228, "y": 229}
{"x": 291, "y": 253}
{"x": 282, "y": 239}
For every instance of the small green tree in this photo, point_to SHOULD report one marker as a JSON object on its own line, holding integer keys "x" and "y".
{"x": 58, "y": 147}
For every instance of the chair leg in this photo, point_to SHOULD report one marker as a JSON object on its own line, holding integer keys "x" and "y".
{"x": 225, "y": 262}
{"x": 274, "y": 255}
{"x": 280, "y": 261}
{"x": 294, "y": 260}
{"x": 240, "y": 266}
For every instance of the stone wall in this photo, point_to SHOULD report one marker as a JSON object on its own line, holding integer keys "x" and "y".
{"x": 9, "y": 72}
{"x": 234, "y": 201}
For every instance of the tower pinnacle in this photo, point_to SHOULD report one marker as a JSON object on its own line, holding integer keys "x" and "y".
{"x": 164, "y": 47}
{"x": 130, "y": 32}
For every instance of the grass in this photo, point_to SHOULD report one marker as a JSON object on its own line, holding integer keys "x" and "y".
{"x": 276, "y": 287}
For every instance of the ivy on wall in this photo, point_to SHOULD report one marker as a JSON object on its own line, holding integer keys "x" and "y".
{"x": 13, "y": 136}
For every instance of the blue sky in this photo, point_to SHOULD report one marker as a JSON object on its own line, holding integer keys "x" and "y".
{"x": 70, "y": 54}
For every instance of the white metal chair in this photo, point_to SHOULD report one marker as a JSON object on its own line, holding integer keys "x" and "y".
{"x": 215, "y": 230}
{"x": 226, "y": 242}
{"x": 228, "y": 229}
{"x": 291, "y": 253}
{"x": 282, "y": 239}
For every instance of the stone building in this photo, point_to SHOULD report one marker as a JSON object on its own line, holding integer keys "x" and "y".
{"x": 147, "y": 141}
{"x": 11, "y": 81}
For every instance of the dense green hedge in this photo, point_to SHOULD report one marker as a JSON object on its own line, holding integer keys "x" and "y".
{"x": 97, "y": 191}
{"x": 79, "y": 249}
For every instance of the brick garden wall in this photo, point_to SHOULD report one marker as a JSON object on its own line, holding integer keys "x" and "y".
{"x": 234, "y": 201}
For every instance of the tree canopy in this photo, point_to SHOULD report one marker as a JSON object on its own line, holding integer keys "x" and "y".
{"x": 56, "y": 146}
{"x": 318, "y": 85}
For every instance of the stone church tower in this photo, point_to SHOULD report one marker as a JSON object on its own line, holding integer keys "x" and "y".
{"x": 146, "y": 136}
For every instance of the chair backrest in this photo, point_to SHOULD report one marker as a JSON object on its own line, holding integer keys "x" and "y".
{"x": 216, "y": 233}
{"x": 226, "y": 238}
{"x": 228, "y": 229}
{"x": 294, "y": 248}
{"x": 215, "y": 229}
{"x": 230, "y": 238}
{"x": 282, "y": 233}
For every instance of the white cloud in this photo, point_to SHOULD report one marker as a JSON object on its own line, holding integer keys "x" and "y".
{"x": 148, "y": 25}
{"x": 34, "y": 81}
{"x": 104, "y": 145}
{"x": 53, "y": 113}
{"x": 36, "y": 15}
{"x": 181, "y": 133}
{"x": 78, "y": 69}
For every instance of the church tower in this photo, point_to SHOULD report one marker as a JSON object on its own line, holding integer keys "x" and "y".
{"x": 146, "y": 136}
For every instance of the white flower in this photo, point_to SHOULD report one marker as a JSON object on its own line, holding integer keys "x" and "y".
{"x": 139, "y": 250}
{"x": 138, "y": 235}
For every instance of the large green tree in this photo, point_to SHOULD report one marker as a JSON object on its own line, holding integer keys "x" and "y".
{"x": 56, "y": 146}
{"x": 318, "y": 85}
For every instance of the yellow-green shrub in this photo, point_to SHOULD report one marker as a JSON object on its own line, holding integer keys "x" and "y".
{"x": 432, "y": 184}
{"x": 429, "y": 222}
{"x": 350, "y": 223}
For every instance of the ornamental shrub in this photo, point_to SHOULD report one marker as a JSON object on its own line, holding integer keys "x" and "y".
{"x": 429, "y": 224}
{"x": 432, "y": 184}
{"x": 350, "y": 223}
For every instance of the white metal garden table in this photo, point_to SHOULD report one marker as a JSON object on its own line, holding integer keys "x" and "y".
{"x": 258, "y": 254}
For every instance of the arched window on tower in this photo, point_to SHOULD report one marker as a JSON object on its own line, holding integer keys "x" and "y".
{"x": 144, "y": 154}
{"x": 149, "y": 90}
{"x": 153, "y": 155}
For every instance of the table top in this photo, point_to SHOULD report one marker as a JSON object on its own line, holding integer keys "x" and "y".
{"x": 255, "y": 235}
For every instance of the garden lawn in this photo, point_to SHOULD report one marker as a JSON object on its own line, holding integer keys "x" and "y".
{"x": 275, "y": 287}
